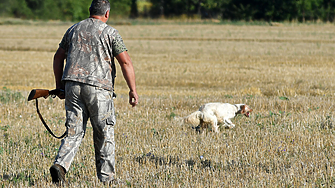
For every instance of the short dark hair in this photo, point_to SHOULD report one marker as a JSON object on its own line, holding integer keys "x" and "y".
{"x": 99, "y": 7}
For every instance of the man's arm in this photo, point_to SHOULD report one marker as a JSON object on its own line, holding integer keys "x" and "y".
{"x": 58, "y": 65}
{"x": 129, "y": 75}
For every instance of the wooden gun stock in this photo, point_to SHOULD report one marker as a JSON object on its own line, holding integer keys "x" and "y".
{"x": 37, "y": 93}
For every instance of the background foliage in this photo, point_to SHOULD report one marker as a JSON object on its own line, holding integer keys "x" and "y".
{"x": 57, "y": 10}
{"x": 265, "y": 10}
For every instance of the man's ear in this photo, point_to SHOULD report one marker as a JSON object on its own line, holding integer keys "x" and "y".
{"x": 107, "y": 14}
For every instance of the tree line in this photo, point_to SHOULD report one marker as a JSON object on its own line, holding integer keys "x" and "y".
{"x": 261, "y": 10}
{"x": 266, "y": 10}
{"x": 66, "y": 10}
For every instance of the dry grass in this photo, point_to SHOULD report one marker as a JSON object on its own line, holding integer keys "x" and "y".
{"x": 285, "y": 73}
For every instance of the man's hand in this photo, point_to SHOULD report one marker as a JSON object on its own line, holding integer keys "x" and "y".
{"x": 133, "y": 98}
{"x": 61, "y": 94}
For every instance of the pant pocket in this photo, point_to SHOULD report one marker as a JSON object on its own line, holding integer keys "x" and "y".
{"x": 111, "y": 120}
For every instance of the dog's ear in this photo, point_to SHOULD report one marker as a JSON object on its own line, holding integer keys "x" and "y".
{"x": 247, "y": 108}
{"x": 243, "y": 109}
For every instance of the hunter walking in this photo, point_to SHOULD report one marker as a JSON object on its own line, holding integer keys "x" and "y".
{"x": 89, "y": 48}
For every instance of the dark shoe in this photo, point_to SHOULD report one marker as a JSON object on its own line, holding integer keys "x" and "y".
{"x": 57, "y": 173}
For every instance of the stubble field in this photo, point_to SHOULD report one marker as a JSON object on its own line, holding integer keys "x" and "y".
{"x": 285, "y": 73}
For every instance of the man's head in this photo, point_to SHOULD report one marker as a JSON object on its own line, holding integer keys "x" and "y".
{"x": 99, "y": 7}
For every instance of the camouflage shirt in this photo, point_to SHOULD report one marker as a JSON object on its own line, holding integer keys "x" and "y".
{"x": 90, "y": 47}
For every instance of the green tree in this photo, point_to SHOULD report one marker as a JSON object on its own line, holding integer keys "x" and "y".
{"x": 19, "y": 9}
{"x": 328, "y": 10}
{"x": 308, "y": 9}
{"x": 75, "y": 10}
{"x": 133, "y": 9}
{"x": 120, "y": 8}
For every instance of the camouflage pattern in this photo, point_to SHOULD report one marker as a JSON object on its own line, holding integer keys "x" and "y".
{"x": 90, "y": 47}
{"x": 83, "y": 101}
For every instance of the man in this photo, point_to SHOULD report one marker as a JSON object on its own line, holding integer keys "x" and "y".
{"x": 89, "y": 48}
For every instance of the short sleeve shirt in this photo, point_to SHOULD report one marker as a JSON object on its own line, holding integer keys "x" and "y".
{"x": 90, "y": 47}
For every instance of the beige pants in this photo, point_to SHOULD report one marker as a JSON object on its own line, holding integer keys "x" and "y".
{"x": 83, "y": 101}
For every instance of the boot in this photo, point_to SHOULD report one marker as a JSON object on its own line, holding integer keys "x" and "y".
{"x": 57, "y": 173}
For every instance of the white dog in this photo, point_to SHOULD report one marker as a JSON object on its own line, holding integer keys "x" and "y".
{"x": 215, "y": 114}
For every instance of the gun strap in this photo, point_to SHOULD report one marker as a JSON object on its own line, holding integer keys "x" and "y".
{"x": 45, "y": 124}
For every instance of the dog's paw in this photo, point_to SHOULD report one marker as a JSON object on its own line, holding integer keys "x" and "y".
{"x": 229, "y": 126}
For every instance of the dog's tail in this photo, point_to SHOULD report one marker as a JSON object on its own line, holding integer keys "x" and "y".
{"x": 192, "y": 119}
{"x": 178, "y": 120}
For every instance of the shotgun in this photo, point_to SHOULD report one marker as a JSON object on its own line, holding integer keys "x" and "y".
{"x": 37, "y": 93}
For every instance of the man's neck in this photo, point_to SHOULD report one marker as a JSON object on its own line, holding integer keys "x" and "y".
{"x": 101, "y": 18}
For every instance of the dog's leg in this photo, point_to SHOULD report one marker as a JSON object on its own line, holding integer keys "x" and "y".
{"x": 229, "y": 124}
{"x": 210, "y": 120}
{"x": 202, "y": 125}
{"x": 215, "y": 126}
{"x": 193, "y": 120}
{"x": 213, "y": 121}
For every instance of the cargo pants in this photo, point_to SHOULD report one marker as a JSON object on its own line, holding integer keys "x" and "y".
{"x": 83, "y": 102}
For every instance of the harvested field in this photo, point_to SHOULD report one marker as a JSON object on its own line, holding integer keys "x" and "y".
{"x": 285, "y": 73}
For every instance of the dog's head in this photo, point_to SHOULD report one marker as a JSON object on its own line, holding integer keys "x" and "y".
{"x": 244, "y": 110}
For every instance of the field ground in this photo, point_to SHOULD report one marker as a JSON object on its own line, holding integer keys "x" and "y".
{"x": 285, "y": 73}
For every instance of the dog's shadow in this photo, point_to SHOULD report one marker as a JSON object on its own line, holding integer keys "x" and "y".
{"x": 204, "y": 127}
